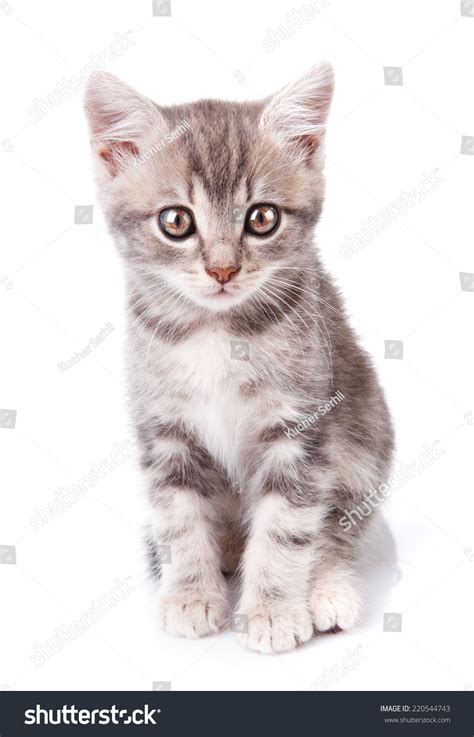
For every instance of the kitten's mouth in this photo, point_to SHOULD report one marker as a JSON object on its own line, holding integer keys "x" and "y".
{"x": 223, "y": 297}
{"x": 222, "y": 292}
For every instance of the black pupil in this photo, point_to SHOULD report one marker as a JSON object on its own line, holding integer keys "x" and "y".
{"x": 175, "y": 222}
{"x": 261, "y": 217}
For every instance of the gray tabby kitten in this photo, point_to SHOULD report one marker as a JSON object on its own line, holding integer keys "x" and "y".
{"x": 237, "y": 337}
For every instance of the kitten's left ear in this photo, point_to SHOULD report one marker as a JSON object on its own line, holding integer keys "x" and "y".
{"x": 296, "y": 116}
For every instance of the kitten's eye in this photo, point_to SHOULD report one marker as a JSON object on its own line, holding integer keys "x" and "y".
{"x": 176, "y": 222}
{"x": 262, "y": 219}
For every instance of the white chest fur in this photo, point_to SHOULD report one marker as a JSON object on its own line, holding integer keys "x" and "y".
{"x": 211, "y": 369}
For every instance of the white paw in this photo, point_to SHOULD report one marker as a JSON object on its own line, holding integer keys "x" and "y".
{"x": 272, "y": 629}
{"x": 334, "y": 604}
{"x": 193, "y": 616}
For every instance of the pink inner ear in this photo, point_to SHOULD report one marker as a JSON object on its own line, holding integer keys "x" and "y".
{"x": 309, "y": 143}
{"x": 115, "y": 153}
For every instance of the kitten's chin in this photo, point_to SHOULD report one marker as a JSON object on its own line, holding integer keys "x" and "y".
{"x": 220, "y": 301}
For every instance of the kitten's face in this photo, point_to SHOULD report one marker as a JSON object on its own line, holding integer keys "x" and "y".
{"x": 216, "y": 208}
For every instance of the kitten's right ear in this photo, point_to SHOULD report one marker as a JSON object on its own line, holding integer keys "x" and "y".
{"x": 119, "y": 117}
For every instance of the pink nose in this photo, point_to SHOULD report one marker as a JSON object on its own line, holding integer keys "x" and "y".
{"x": 223, "y": 275}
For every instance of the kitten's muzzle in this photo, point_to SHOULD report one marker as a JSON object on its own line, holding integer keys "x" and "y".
{"x": 223, "y": 275}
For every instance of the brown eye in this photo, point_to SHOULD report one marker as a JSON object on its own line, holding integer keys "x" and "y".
{"x": 262, "y": 219}
{"x": 176, "y": 222}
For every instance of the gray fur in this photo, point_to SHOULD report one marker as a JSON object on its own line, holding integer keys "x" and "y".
{"x": 301, "y": 351}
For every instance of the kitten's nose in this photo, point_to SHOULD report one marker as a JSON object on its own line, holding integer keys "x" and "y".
{"x": 223, "y": 275}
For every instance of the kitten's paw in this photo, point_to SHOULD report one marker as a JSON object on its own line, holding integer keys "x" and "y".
{"x": 334, "y": 604}
{"x": 273, "y": 629}
{"x": 192, "y": 616}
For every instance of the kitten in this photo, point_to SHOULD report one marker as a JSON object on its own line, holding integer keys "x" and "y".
{"x": 260, "y": 420}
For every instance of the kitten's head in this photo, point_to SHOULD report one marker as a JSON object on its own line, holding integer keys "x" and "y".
{"x": 212, "y": 198}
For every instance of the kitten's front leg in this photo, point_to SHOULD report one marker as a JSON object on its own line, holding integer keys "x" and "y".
{"x": 194, "y": 596}
{"x": 278, "y": 558}
{"x": 276, "y": 575}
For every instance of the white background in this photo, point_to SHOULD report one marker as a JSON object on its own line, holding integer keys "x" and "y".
{"x": 60, "y": 283}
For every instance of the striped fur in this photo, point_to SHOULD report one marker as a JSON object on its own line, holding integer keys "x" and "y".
{"x": 215, "y": 382}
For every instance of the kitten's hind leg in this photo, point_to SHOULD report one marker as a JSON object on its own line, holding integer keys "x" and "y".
{"x": 335, "y": 598}
{"x": 335, "y": 602}
{"x": 231, "y": 531}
